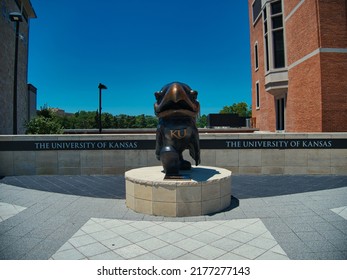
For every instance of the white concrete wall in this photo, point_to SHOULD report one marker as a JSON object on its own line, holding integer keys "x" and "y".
{"x": 239, "y": 161}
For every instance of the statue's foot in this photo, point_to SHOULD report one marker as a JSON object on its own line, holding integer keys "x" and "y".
{"x": 185, "y": 165}
{"x": 170, "y": 160}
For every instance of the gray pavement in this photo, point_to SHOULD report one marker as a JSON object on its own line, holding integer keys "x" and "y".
{"x": 85, "y": 217}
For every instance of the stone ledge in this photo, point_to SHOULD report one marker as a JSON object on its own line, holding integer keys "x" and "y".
{"x": 207, "y": 191}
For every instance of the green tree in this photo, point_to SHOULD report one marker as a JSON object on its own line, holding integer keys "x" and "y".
{"x": 151, "y": 122}
{"x": 46, "y": 122}
{"x": 66, "y": 121}
{"x": 201, "y": 121}
{"x": 241, "y": 109}
{"x": 90, "y": 119}
{"x": 122, "y": 121}
{"x": 96, "y": 118}
{"x": 131, "y": 121}
{"x": 115, "y": 122}
{"x": 85, "y": 120}
{"x": 107, "y": 119}
{"x": 140, "y": 121}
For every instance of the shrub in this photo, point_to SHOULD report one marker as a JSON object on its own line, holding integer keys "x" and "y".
{"x": 43, "y": 125}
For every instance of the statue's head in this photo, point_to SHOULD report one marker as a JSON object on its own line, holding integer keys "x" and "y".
{"x": 176, "y": 99}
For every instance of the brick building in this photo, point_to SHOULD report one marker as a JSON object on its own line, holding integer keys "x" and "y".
{"x": 299, "y": 65}
{"x": 26, "y": 94}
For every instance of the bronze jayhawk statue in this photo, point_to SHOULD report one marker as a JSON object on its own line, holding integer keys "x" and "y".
{"x": 177, "y": 108}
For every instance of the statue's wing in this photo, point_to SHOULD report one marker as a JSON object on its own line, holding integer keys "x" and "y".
{"x": 194, "y": 148}
{"x": 159, "y": 142}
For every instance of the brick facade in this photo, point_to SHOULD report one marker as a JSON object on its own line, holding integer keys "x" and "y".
{"x": 7, "y": 54}
{"x": 315, "y": 40}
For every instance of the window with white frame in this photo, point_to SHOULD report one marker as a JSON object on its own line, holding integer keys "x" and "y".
{"x": 273, "y": 36}
{"x": 266, "y": 40}
{"x": 277, "y": 34}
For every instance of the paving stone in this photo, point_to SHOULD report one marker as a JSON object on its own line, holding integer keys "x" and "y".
{"x": 9, "y": 210}
{"x": 93, "y": 249}
{"x": 131, "y": 251}
{"x": 276, "y": 225}
{"x": 256, "y": 228}
{"x": 248, "y": 251}
{"x": 116, "y": 242}
{"x": 137, "y": 236}
{"x": 300, "y": 227}
{"x": 124, "y": 229}
{"x": 152, "y": 244}
{"x": 189, "y": 256}
{"x": 189, "y": 244}
{"x": 320, "y": 246}
{"x": 222, "y": 230}
{"x": 207, "y": 237}
{"x": 241, "y": 236}
{"x": 7, "y": 240}
{"x": 43, "y": 250}
{"x": 71, "y": 254}
{"x": 109, "y": 255}
{"x": 169, "y": 252}
{"x": 81, "y": 240}
{"x": 18, "y": 249}
{"x": 295, "y": 216}
{"x": 231, "y": 256}
{"x": 295, "y": 249}
{"x": 269, "y": 255}
{"x": 156, "y": 229}
{"x": 226, "y": 244}
{"x": 341, "y": 225}
{"x": 331, "y": 255}
{"x": 171, "y": 237}
{"x": 66, "y": 246}
{"x": 147, "y": 256}
{"x": 263, "y": 243}
{"x": 142, "y": 225}
{"x": 103, "y": 235}
{"x": 209, "y": 252}
{"x": 175, "y": 225}
{"x": 310, "y": 236}
{"x": 189, "y": 230}
{"x": 278, "y": 250}
{"x": 342, "y": 211}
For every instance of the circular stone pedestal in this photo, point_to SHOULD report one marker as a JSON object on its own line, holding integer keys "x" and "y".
{"x": 207, "y": 191}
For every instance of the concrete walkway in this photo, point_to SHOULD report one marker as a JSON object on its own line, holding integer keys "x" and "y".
{"x": 85, "y": 217}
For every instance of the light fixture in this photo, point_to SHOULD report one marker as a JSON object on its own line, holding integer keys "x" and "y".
{"x": 17, "y": 18}
{"x": 101, "y": 87}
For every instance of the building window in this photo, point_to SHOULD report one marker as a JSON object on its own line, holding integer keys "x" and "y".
{"x": 277, "y": 34}
{"x": 273, "y": 32}
{"x": 266, "y": 40}
{"x": 278, "y": 49}
{"x": 280, "y": 113}
{"x": 256, "y": 61}
{"x": 256, "y": 9}
{"x": 257, "y": 98}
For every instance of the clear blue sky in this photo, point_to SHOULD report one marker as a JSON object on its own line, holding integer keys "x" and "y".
{"x": 135, "y": 47}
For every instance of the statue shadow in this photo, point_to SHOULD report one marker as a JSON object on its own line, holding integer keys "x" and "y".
{"x": 234, "y": 203}
{"x": 202, "y": 173}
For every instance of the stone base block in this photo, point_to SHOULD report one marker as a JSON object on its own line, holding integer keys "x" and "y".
{"x": 207, "y": 191}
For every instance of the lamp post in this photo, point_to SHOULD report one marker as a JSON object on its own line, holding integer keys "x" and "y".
{"x": 17, "y": 18}
{"x": 101, "y": 87}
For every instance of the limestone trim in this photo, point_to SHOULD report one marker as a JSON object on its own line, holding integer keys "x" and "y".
{"x": 315, "y": 52}
{"x": 294, "y": 10}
